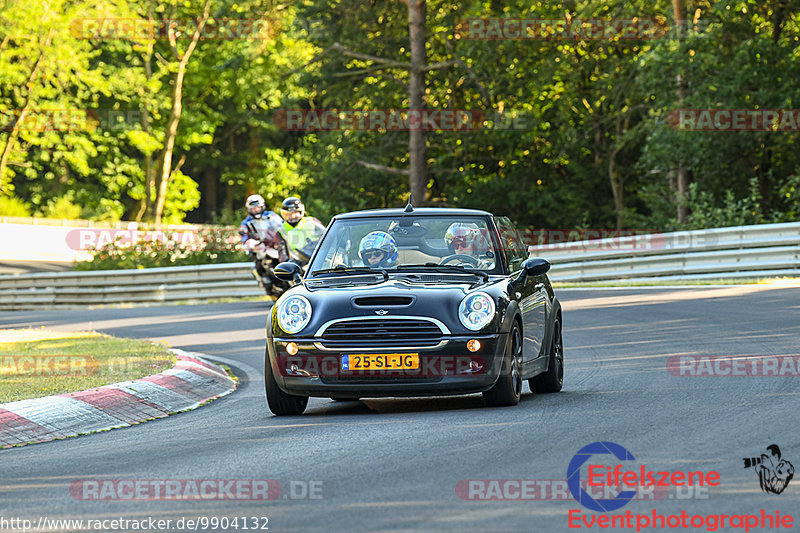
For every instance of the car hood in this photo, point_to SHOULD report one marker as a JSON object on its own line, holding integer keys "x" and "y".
{"x": 392, "y": 298}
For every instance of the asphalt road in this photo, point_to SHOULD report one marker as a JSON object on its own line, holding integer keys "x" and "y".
{"x": 393, "y": 465}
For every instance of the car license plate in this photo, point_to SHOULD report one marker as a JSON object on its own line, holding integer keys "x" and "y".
{"x": 380, "y": 361}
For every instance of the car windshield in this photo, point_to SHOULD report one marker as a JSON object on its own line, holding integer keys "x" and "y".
{"x": 407, "y": 243}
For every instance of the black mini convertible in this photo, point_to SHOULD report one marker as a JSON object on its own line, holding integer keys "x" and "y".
{"x": 414, "y": 302}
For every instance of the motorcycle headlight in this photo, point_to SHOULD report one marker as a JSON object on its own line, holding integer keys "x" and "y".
{"x": 294, "y": 313}
{"x": 476, "y": 310}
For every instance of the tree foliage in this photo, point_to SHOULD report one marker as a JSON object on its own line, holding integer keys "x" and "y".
{"x": 577, "y": 132}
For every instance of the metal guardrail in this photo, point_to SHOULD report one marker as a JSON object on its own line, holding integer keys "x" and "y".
{"x": 768, "y": 250}
{"x": 71, "y": 240}
{"x": 147, "y": 285}
{"x": 738, "y": 252}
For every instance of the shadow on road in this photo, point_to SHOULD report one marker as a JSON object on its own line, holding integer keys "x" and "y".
{"x": 408, "y": 405}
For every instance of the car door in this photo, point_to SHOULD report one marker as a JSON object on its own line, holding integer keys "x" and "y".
{"x": 531, "y": 295}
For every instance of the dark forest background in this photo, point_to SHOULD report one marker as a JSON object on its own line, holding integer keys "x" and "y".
{"x": 179, "y": 129}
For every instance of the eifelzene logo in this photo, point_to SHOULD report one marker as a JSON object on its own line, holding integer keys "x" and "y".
{"x": 774, "y": 473}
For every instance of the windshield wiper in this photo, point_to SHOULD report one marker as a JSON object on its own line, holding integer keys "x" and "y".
{"x": 352, "y": 270}
{"x": 447, "y": 268}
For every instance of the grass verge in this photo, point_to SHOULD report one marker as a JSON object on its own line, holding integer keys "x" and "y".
{"x": 40, "y": 362}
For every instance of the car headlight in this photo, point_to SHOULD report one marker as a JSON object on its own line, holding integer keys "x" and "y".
{"x": 476, "y": 310}
{"x": 294, "y": 313}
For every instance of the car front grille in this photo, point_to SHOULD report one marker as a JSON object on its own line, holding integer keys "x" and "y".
{"x": 382, "y": 333}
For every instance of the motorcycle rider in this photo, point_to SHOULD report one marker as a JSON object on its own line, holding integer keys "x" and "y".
{"x": 266, "y": 235}
{"x": 378, "y": 249}
{"x": 298, "y": 230}
{"x": 256, "y": 210}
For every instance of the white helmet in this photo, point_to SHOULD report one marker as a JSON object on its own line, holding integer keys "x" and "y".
{"x": 255, "y": 205}
{"x": 465, "y": 234}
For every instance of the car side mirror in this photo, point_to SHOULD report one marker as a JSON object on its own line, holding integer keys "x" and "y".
{"x": 288, "y": 271}
{"x": 535, "y": 266}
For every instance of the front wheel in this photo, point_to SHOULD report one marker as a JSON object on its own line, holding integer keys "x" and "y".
{"x": 279, "y": 402}
{"x": 507, "y": 390}
{"x": 553, "y": 379}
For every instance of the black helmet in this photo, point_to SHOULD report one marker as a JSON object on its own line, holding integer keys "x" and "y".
{"x": 293, "y": 210}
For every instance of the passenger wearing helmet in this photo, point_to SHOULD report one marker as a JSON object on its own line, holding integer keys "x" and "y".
{"x": 378, "y": 249}
{"x": 300, "y": 232}
{"x": 466, "y": 239}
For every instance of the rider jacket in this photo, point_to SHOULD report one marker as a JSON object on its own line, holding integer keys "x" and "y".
{"x": 268, "y": 226}
{"x": 305, "y": 232}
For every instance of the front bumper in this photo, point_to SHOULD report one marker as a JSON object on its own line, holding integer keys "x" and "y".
{"x": 444, "y": 370}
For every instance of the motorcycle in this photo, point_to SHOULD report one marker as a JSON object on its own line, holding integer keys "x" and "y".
{"x": 275, "y": 248}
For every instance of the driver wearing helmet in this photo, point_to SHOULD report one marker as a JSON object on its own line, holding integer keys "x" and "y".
{"x": 378, "y": 249}
{"x": 466, "y": 239}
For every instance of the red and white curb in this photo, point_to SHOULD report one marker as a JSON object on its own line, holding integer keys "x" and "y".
{"x": 190, "y": 383}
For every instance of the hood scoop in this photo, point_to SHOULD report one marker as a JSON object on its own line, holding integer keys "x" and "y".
{"x": 383, "y": 301}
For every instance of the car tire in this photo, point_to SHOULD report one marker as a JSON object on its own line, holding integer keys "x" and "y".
{"x": 553, "y": 379}
{"x": 279, "y": 402}
{"x": 508, "y": 389}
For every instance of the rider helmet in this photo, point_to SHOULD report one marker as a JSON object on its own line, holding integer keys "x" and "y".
{"x": 255, "y": 205}
{"x": 293, "y": 210}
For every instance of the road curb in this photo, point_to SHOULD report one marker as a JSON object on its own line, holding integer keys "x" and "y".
{"x": 189, "y": 384}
